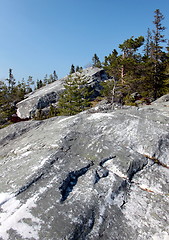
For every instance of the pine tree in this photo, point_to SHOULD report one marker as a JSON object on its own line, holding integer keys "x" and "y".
{"x": 75, "y": 98}
{"x": 148, "y": 44}
{"x": 112, "y": 65}
{"x": 96, "y": 61}
{"x": 45, "y": 80}
{"x": 53, "y": 111}
{"x": 50, "y": 79}
{"x": 130, "y": 59}
{"x": 72, "y": 69}
{"x": 158, "y": 63}
{"x": 39, "y": 84}
{"x": 158, "y": 37}
{"x": 77, "y": 68}
{"x": 29, "y": 84}
{"x": 55, "y": 76}
{"x": 11, "y": 81}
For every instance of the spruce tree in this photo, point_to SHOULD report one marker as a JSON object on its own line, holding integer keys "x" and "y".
{"x": 29, "y": 84}
{"x": 39, "y": 84}
{"x": 148, "y": 44}
{"x": 96, "y": 61}
{"x": 158, "y": 37}
{"x": 11, "y": 81}
{"x": 157, "y": 55}
{"x": 77, "y": 68}
{"x": 55, "y": 76}
{"x": 51, "y": 78}
{"x": 75, "y": 98}
{"x": 45, "y": 80}
{"x": 72, "y": 69}
{"x": 112, "y": 65}
{"x": 130, "y": 60}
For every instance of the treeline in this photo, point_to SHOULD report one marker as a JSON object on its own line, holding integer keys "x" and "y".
{"x": 140, "y": 68}
{"x": 145, "y": 72}
{"x": 12, "y": 91}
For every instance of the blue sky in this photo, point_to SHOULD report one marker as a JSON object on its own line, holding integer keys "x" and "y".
{"x": 40, "y": 36}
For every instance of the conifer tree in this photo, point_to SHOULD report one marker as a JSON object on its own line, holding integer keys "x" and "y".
{"x": 55, "y": 76}
{"x": 51, "y": 79}
{"x": 29, "y": 84}
{"x": 130, "y": 59}
{"x": 96, "y": 61}
{"x": 11, "y": 81}
{"x": 39, "y": 84}
{"x": 112, "y": 65}
{"x": 158, "y": 63}
{"x": 148, "y": 49}
{"x": 77, "y": 68}
{"x": 72, "y": 69}
{"x": 75, "y": 98}
{"x": 158, "y": 37}
{"x": 45, "y": 80}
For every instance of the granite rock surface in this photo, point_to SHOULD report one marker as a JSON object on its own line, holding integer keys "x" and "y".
{"x": 42, "y": 98}
{"x": 96, "y": 175}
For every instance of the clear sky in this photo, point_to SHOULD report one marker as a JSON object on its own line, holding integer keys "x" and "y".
{"x": 40, "y": 36}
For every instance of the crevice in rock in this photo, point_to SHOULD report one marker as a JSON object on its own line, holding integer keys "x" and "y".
{"x": 149, "y": 190}
{"x": 38, "y": 175}
{"x": 84, "y": 227}
{"x": 101, "y": 172}
{"x": 18, "y": 131}
{"x": 29, "y": 184}
{"x": 6, "y": 200}
{"x": 156, "y": 161}
{"x": 71, "y": 180}
{"x": 121, "y": 193}
{"x": 41, "y": 172}
{"x": 146, "y": 189}
{"x": 136, "y": 166}
{"x": 106, "y": 159}
{"x": 67, "y": 142}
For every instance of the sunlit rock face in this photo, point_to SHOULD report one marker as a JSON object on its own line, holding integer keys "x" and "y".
{"x": 96, "y": 175}
{"x": 47, "y": 95}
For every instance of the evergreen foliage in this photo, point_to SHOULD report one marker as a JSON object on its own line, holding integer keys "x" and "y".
{"x": 130, "y": 71}
{"x": 10, "y": 94}
{"x": 55, "y": 76}
{"x": 47, "y": 80}
{"x": 72, "y": 69}
{"x": 75, "y": 98}
{"x": 96, "y": 61}
{"x": 145, "y": 73}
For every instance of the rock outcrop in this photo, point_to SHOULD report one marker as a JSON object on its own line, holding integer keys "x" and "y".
{"x": 47, "y": 95}
{"x": 101, "y": 175}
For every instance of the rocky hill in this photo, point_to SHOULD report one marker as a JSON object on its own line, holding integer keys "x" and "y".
{"x": 47, "y": 95}
{"x": 101, "y": 174}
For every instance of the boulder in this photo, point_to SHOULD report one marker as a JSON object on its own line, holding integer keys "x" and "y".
{"x": 49, "y": 94}
{"x": 95, "y": 175}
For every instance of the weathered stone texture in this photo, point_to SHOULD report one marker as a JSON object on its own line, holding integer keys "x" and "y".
{"x": 101, "y": 175}
{"x": 49, "y": 94}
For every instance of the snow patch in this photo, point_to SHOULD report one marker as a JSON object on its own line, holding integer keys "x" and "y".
{"x": 99, "y": 115}
{"x": 13, "y": 216}
{"x": 22, "y": 150}
{"x": 161, "y": 236}
{"x": 65, "y": 119}
{"x": 4, "y": 197}
{"x": 114, "y": 169}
